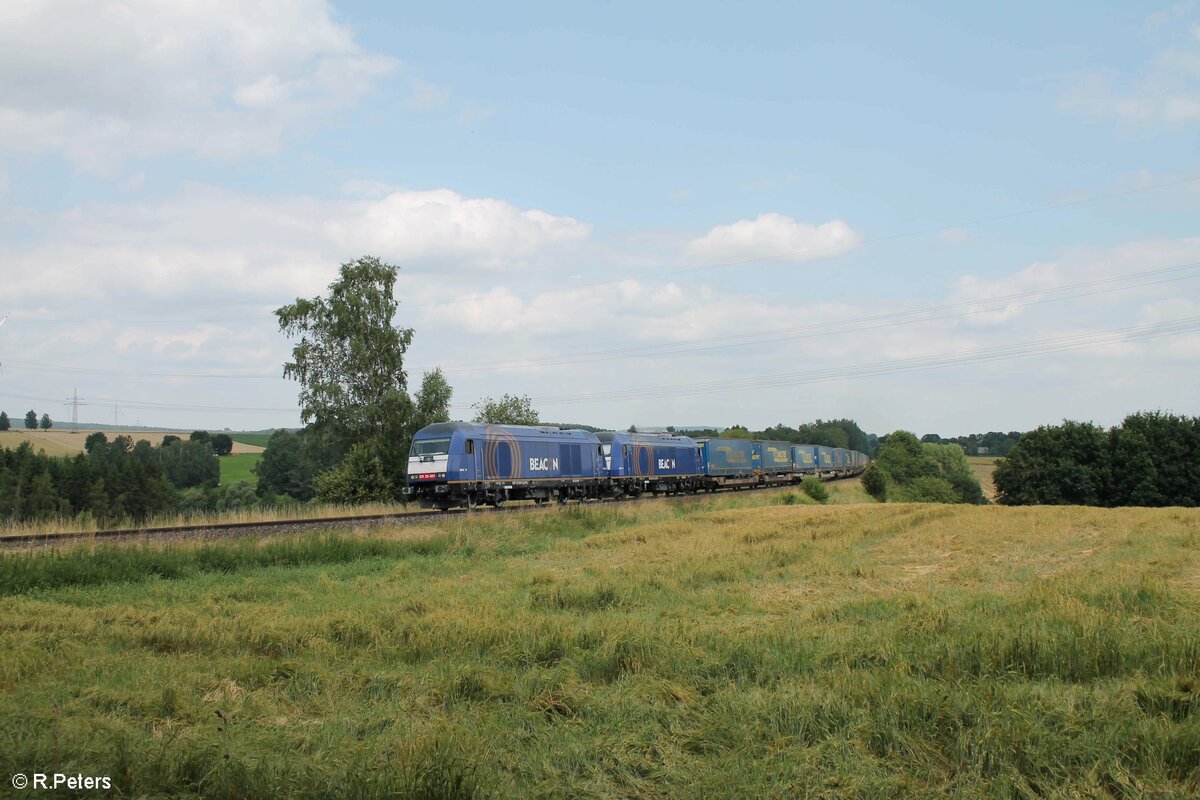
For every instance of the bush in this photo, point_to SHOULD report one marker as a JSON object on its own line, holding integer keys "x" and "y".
{"x": 908, "y": 470}
{"x": 927, "y": 490}
{"x": 358, "y": 479}
{"x": 904, "y": 459}
{"x": 289, "y": 466}
{"x": 813, "y": 487}
{"x": 236, "y": 496}
{"x": 954, "y": 467}
{"x": 875, "y": 482}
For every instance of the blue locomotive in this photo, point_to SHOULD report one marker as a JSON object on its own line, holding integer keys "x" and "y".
{"x": 658, "y": 463}
{"x": 464, "y": 464}
{"x": 454, "y": 464}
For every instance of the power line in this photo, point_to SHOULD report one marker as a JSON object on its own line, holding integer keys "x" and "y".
{"x": 965, "y": 308}
{"x": 784, "y": 256}
{"x": 74, "y": 402}
{"x": 1019, "y": 350}
{"x": 1001, "y": 352}
{"x": 838, "y": 327}
{"x": 813, "y": 251}
{"x": 145, "y": 405}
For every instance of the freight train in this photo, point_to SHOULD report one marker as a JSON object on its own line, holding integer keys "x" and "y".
{"x": 456, "y": 464}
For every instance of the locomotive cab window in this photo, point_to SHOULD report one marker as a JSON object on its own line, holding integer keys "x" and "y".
{"x": 470, "y": 446}
{"x": 430, "y": 447}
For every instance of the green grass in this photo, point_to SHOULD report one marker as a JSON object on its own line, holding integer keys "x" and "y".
{"x": 239, "y": 467}
{"x": 256, "y": 439}
{"x": 734, "y": 646}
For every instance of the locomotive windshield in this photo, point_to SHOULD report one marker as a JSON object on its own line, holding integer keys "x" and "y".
{"x": 430, "y": 447}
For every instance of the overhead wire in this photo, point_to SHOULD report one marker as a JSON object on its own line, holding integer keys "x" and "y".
{"x": 961, "y": 309}
{"x": 830, "y": 328}
{"x": 1045, "y": 346}
{"x": 782, "y": 256}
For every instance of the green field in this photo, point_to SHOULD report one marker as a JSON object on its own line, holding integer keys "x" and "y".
{"x": 734, "y": 646}
{"x": 239, "y": 467}
{"x": 256, "y": 439}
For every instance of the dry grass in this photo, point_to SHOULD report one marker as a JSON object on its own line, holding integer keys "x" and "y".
{"x": 983, "y": 466}
{"x": 731, "y": 646}
{"x": 63, "y": 442}
{"x": 296, "y": 512}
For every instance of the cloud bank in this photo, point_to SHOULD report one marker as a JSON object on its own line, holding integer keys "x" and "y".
{"x": 211, "y": 78}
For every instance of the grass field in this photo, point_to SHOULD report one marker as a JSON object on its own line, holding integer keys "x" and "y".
{"x": 983, "y": 466}
{"x": 252, "y": 439}
{"x": 734, "y": 646}
{"x": 58, "y": 442}
{"x": 239, "y": 467}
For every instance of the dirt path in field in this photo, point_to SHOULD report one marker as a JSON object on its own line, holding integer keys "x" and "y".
{"x": 983, "y": 466}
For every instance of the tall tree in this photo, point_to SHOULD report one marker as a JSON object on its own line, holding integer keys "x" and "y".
{"x": 222, "y": 443}
{"x": 1066, "y": 464}
{"x": 433, "y": 399}
{"x": 287, "y": 467}
{"x": 349, "y": 362}
{"x": 31, "y": 420}
{"x": 4, "y": 423}
{"x": 46, "y": 423}
{"x": 508, "y": 410}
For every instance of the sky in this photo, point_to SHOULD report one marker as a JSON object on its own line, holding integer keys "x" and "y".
{"x": 941, "y": 217}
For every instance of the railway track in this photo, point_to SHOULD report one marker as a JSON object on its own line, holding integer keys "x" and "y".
{"x": 225, "y": 530}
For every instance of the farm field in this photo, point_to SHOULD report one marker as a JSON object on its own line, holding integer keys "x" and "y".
{"x": 67, "y": 443}
{"x": 740, "y": 645}
{"x": 258, "y": 440}
{"x": 239, "y": 467}
{"x": 983, "y": 467}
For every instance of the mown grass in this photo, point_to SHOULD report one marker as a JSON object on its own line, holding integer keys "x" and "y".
{"x": 732, "y": 646}
{"x": 239, "y": 468}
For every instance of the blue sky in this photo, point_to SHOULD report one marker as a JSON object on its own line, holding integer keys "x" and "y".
{"x": 557, "y": 179}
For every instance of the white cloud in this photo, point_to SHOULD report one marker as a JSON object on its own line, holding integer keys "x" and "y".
{"x": 1165, "y": 94}
{"x": 446, "y": 227}
{"x": 102, "y": 82}
{"x": 203, "y": 241}
{"x": 771, "y": 235}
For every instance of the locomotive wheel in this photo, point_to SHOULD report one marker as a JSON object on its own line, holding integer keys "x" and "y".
{"x": 472, "y": 500}
{"x": 539, "y": 501}
{"x": 498, "y": 502}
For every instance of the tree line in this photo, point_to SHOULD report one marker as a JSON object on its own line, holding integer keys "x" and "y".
{"x": 110, "y": 482}
{"x": 844, "y": 433}
{"x": 1151, "y": 459}
{"x": 992, "y": 443}
{"x": 32, "y": 422}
